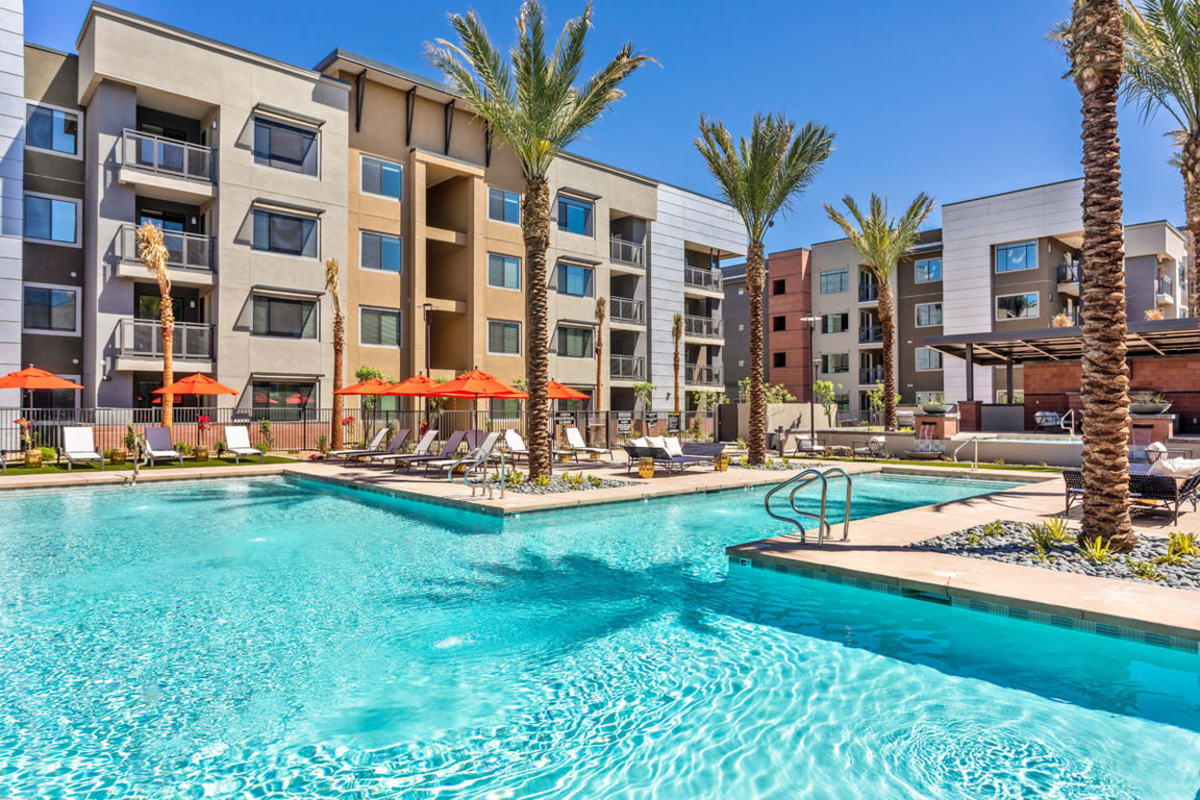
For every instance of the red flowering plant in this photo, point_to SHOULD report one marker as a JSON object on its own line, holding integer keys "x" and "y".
{"x": 203, "y": 423}
{"x": 347, "y": 421}
{"x": 26, "y": 437}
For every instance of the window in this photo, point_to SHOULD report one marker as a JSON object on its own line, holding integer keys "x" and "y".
{"x": 51, "y": 219}
{"x": 504, "y": 206}
{"x": 282, "y": 233}
{"x": 279, "y": 396}
{"x": 835, "y": 362}
{"x": 779, "y": 323}
{"x": 502, "y": 408}
{"x": 380, "y": 251}
{"x": 504, "y": 271}
{"x": 504, "y": 338}
{"x": 54, "y": 130}
{"x": 575, "y": 342}
{"x": 778, "y": 359}
{"x": 285, "y": 147}
{"x": 929, "y": 314}
{"x": 835, "y": 281}
{"x": 1015, "y": 257}
{"x": 574, "y": 216}
{"x": 778, "y": 286}
{"x": 575, "y": 280}
{"x": 928, "y": 359}
{"x": 50, "y": 309}
{"x": 379, "y": 327}
{"x": 280, "y": 316}
{"x": 835, "y": 323}
{"x": 1018, "y": 396}
{"x": 382, "y": 177}
{"x": 742, "y": 290}
{"x": 926, "y": 397}
{"x": 927, "y": 271}
{"x": 1017, "y": 306}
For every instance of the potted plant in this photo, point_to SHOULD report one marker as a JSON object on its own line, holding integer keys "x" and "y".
{"x": 201, "y": 450}
{"x": 935, "y": 405}
{"x": 1148, "y": 403}
{"x": 33, "y": 456}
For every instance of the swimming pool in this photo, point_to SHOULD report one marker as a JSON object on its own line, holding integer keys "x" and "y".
{"x": 273, "y": 638}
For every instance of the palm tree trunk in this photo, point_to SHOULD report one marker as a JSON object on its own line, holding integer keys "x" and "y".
{"x": 1096, "y": 51}
{"x": 676, "y": 373}
{"x": 755, "y": 278}
{"x": 535, "y": 226}
{"x": 339, "y": 345}
{"x": 1189, "y": 167}
{"x": 599, "y": 366}
{"x": 166, "y": 313}
{"x": 887, "y": 321}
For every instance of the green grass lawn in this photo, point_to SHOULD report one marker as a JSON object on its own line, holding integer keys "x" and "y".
{"x": 946, "y": 464}
{"x": 61, "y": 469}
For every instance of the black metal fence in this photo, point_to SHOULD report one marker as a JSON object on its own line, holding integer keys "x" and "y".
{"x": 308, "y": 429}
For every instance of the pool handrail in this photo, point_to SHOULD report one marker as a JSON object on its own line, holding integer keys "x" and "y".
{"x": 825, "y": 523}
{"x": 813, "y": 475}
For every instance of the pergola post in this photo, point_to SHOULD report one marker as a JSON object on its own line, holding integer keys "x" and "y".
{"x": 970, "y": 372}
{"x": 1008, "y": 379}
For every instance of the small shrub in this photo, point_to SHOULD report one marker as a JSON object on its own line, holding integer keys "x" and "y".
{"x": 219, "y": 446}
{"x": 48, "y": 453}
{"x": 264, "y": 430}
{"x": 742, "y": 443}
{"x": 183, "y": 448}
{"x": 542, "y": 480}
{"x": 1144, "y": 570}
{"x": 514, "y": 478}
{"x": 595, "y": 482}
{"x": 107, "y": 454}
{"x": 574, "y": 481}
{"x": 1183, "y": 544}
{"x": 1096, "y": 550}
{"x": 993, "y": 528}
{"x": 130, "y": 440}
{"x": 999, "y": 461}
{"x": 323, "y": 443}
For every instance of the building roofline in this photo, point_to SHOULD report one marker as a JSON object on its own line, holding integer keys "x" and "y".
{"x": 790, "y": 250}
{"x": 232, "y": 49}
{"x": 916, "y": 245}
{"x": 1012, "y": 191}
{"x": 49, "y": 49}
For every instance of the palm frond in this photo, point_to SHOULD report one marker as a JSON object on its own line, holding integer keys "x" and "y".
{"x": 878, "y": 238}
{"x": 1162, "y": 60}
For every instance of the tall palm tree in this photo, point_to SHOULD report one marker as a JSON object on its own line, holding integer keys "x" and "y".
{"x": 535, "y": 108}
{"x": 339, "y": 346}
{"x": 1096, "y": 40}
{"x": 1162, "y": 71}
{"x": 153, "y": 254}
{"x": 881, "y": 241}
{"x": 761, "y": 177}
{"x": 676, "y": 335}
{"x": 601, "y": 313}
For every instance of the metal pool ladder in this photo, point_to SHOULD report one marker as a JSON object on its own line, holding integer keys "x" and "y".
{"x": 800, "y": 481}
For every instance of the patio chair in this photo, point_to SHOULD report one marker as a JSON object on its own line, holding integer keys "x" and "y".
{"x": 393, "y": 448}
{"x": 450, "y": 448}
{"x": 807, "y": 446}
{"x": 237, "y": 441}
{"x": 577, "y": 445}
{"x": 1147, "y": 491}
{"x": 78, "y": 445}
{"x": 875, "y": 447}
{"x": 663, "y": 456}
{"x": 478, "y": 457}
{"x": 421, "y": 449}
{"x": 158, "y": 446}
{"x": 375, "y": 446}
{"x": 515, "y": 445}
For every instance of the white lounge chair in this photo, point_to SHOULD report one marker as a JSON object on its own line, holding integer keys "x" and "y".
{"x": 516, "y": 445}
{"x": 78, "y": 445}
{"x": 578, "y": 445}
{"x": 158, "y": 446}
{"x": 375, "y": 447}
{"x": 472, "y": 461}
{"x": 237, "y": 441}
{"x": 421, "y": 449}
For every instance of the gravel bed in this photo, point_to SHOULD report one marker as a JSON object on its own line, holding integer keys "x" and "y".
{"x": 557, "y": 486}
{"x": 1013, "y": 546}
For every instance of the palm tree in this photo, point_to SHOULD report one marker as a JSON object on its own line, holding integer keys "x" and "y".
{"x": 1162, "y": 71}
{"x": 1096, "y": 40}
{"x": 339, "y": 345}
{"x": 881, "y": 241}
{"x": 676, "y": 335}
{"x": 153, "y": 254}
{"x": 760, "y": 178}
{"x": 601, "y": 313}
{"x": 535, "y": 108}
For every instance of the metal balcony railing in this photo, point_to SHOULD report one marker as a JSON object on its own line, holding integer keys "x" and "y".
{"x": 868, "y": 292}
{"x": 702, "y": 278}
{"x": 870, "y": 333}
{"x": 870, "y": 374}
{"x": 626, "y": 309}
{"x": 624, "y": 251}
{"x": 1068, "y": 273}
{"x": 168, "y": 156}
{"x": 702, "y": 326}
{"x": 705, "y": 375}
{"x": 1166, "y": 286}
{"x": 143, "y": 337}
{"x": 184, "y": 250}
{"x": 630, "y": 368}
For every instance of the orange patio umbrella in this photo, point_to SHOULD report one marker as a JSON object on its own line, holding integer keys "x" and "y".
{"x": 416, "y": 386}
{"x": 196, "y": 384}
{"x": 32, "y": 379}
{"x": 472, "y": 386}
{"x": 367, "y": 387}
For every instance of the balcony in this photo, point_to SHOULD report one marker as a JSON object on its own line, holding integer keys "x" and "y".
{"x": 189, "y": 256}
{"x": 626, "y": 368}
{"x": 868, "y": 292}
{"x": 707, "y": 280}
{"x": 626, "y": 309}
{"x": 701, "y": 327}
{"x": 168, "y": 169}
{"x": 138, "y": 345}
{"x": 623, "y": 251}
{"x": 701, "y": 375}
{"x": 1164, "y": 292}
{"x": 1068, "y": 279}
{"x": 870, "y": 375}
{"x": 870, "y": 334}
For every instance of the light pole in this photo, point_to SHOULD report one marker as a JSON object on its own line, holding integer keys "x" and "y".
{"x": 812, "y": 381}
{"x": 428, "y": 309}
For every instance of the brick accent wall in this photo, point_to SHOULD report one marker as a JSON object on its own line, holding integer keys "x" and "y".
{"x": 792, "y": 267}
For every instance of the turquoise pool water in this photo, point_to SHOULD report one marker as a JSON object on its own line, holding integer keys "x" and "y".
{"x": 268, "y": 639}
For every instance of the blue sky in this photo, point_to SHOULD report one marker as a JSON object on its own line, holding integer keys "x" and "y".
{"x": 957, "y": 99}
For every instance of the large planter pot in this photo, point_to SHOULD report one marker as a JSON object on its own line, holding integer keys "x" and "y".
{"x": 1149, "y": 408}
{"x": 118, "y": 456}
{"x": 721, "y": 464}
{"x": 937, "y": 409}
{"x": 200, "y": 454}
{"x": 33, "y": 458}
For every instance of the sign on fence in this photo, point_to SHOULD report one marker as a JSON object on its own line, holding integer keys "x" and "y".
{"x": 565, "y": 418}
{"x": 651, "y": 418}
{"x": 673, "y": 421}
{"x": 624, "y": 423}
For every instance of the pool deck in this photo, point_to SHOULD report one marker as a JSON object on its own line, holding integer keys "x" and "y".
{"x": 875, "y": 552}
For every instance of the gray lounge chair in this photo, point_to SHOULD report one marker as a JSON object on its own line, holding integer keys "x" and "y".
{"x": 661, "y": 456}
{"x": 393, "y": 448}
{"x": 421, "y": 449}
{"x": 478, "y": 457}
{"x": 78, "y": 445}
{"x": 450, "y": 448}
{"x": 159, "y": 447}
{"x": 1147, "y": 491}
{"x": 375, "y": 447}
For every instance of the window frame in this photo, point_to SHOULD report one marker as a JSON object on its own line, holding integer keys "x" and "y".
{"x": 503, "y": 192}
{"x": 498, "y": 321}
{"x": 254, "y": 155}
{"x": 558, "y": 279}
{"x": 77, "y": 202}
{"x": 917, "y": 360}
{"x": 558, "y": 340}
{"x": 362, "y": 233}
{"x": 316, "y": 301}
{"x": 591, "y": 219}
{"x": 1037, "y": 304}
{"x": 1007, "y": 245}
{"x": 362, "y": 174}
{"x": 916, "y": 270}
{"x": 399, "y": 327}
{"x": 76, "y": 290}
{"x": 825, "y": 363}
{"x": 502, "y": 287}
{"x": 78, "y": 155}
{"x": 316, "y": 220}
{"x": 917, "y": 315}
{"x": 844, "y": 271}
{"x": 845, "y": 324}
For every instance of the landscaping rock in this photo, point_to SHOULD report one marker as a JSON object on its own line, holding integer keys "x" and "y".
{"x": 558, "y": 485}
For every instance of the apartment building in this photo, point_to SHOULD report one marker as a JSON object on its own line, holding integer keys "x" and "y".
{"x": 12, "y": 172}
{"x": 1004, "y": 262}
